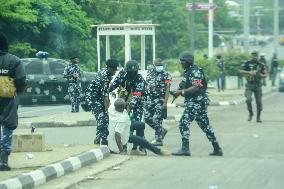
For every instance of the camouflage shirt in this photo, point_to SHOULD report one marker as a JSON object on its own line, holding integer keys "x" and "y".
{"x": 193, "y": 76}
{"x": 98, "y": 88}
{"x": 258, "y": 67}
{"x": 134, "y": 91}
{"x": 72, "y": 72}
{"x": 157, "y": 83}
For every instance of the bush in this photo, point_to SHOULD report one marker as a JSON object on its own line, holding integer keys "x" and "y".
{"x": 209, "y": 66}
{"x": 233, "y": 62}
{"x": 22, "y": 50}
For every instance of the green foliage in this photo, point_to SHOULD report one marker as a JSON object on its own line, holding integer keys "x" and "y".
{"x": 21, "y": 49}
{"x": 209, "y": 67}
{"x": 281, "y": 63}
{"x": 233, "y": 61}
{"x": 17, "y": 10}
{"x": 63, "y": 27}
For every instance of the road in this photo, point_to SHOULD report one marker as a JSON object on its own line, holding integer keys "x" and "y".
{"x": 253, "y": 156}
{"x": 268, "y": 50}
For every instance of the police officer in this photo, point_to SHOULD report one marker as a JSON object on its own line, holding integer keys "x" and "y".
{"x": 158, "y": 87}
{"x": 273, "y": 69}
{"x": 97, "y": 97}
{"x": 11, "y": 70}
{"x": 72, "y": 73}
{"x": 221, "y": 78}
{"x": 263, "y": 60}
{"x": 254, "y": 71}
{"x": 192, "y": 88}
{"x": 132, "y": 87}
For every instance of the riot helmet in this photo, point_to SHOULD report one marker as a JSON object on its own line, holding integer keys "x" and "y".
{"x": 187, "y": 57}
{"x": 131, "y": 65}
{"x": 131, "y": 69}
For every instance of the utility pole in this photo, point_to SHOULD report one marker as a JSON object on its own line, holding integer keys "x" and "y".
{"x": 210, "y": 31}
{"x": 246, "y": 4}
{"x": 276, "y": 25}
{"x": 193, "y": 27}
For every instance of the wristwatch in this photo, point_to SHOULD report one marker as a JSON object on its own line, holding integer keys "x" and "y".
{"x": 182, "y": 92}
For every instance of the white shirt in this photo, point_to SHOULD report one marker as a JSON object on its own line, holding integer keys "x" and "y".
{"x": 118, "y": 122}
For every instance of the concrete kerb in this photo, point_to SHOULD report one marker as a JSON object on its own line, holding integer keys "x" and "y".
{"x": 52, "y": 171}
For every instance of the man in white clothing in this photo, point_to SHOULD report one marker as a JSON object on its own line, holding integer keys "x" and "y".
{"x": 119, "y": 131}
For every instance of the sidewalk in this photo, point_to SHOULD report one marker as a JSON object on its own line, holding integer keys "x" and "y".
{"x": 40, "y": 167}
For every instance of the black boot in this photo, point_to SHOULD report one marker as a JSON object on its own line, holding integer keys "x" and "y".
{"x": 104, "y": 142}
{"x": 4, "y": 161}
{"x": 250, "y": 115}
{"x": 217, "y": 150}
{"x": 97, "y": 141}
{"x": 184, "y": 151}
{"x": 258, "y": 120}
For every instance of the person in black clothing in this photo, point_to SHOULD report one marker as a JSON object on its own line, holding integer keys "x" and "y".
{"x": 221, "y": 78}
{"x": 263, "y": 60}
{"x": 273, "y": 69}
{"x": 12, "y": 79}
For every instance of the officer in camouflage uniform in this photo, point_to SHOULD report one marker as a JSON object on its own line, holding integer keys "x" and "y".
{"x": 158, "y": 87}
{"x": 72, "y": 73}
{"x": 254, "y": 71}
{"x": 10, "y": 67}
{"x": 97, "y": 97}
{"x": 131, "y": 87}
{"x": 193, "y": 88}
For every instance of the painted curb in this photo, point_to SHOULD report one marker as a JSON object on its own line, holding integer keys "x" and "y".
{"x": 52, "y": 171}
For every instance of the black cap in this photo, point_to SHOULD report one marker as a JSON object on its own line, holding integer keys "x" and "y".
{"x": 3, "y": 42}
{"x": 73, "y": 57}
{"x": 254, "y": 53}
{"x": 112, "y": 63}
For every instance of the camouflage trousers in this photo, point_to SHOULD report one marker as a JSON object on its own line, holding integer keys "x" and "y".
{"x": 198, "y": 112}
{"x": 257, "y": 90}
{"x": 74, "y": 91}
{"x": 138, "y": 112}
{"x": 98, "y": 110}
{"x": 6, "y": 139}
{"x": 154, "y": 115}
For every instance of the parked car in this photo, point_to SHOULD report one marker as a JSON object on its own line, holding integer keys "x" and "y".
{"x": 281, "y": 80}
{"x": 45, "y": 82}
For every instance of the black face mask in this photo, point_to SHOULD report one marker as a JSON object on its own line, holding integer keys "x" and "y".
{"x": 131, "y": 75}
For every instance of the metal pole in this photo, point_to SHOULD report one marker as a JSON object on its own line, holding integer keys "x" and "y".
{"x": 193, "y": 27}
{"x": 276, "y": 25}
{"x": 143, "y": 54}
{"x": 210, "y": 31}
{"x": 246, "y": 24}
{"x": 98, "y": 51}
{"x": 107, "y": 47}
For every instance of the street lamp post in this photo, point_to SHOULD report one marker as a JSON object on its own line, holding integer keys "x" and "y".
{"x": 193, "y": 27}
{"x": 276, "y": 25}
{"x": 246, "y": 24}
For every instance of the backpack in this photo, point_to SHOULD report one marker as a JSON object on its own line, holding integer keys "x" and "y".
{"x": 7, "y": 89}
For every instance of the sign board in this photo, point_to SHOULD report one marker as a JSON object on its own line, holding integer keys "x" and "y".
{"x": 200, "y": 6}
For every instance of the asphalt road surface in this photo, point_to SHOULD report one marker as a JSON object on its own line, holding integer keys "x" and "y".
{"x": 253, "y": 156}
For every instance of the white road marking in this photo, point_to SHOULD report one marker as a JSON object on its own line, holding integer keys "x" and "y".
{"x": 40, "y": 110}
